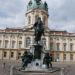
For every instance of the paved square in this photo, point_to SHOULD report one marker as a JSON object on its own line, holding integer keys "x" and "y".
{"x": 69, "y": 67}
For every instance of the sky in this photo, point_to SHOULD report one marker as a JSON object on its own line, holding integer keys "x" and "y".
{"x": 61, "y": 14}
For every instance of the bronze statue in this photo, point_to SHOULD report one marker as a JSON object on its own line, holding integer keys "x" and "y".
{"x": 47, "y": 60}
{"x": 26, "y": 58}
{"x": 39, "y": 30}
{"x": 37, "y": 51}
{"x": 29, "y": 57}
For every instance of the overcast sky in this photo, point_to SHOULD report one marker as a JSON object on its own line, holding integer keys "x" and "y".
{"x": 61, "y": 14}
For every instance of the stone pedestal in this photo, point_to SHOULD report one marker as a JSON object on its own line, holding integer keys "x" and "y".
{"x": 37, "y": 73}
{"x": 54, "y": 71}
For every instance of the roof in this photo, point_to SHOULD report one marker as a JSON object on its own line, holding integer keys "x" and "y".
{"x": 33, "y": 4}
{"x": 64, "y": 33}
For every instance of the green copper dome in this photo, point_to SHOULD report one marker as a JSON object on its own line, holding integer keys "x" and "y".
{"x": 33, "y": 4}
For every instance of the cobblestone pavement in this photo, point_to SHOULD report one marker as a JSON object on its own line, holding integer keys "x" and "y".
{"x": 69, "y": 68}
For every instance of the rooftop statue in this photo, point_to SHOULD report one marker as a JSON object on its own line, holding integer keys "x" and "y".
{"x": 46, "y": 6}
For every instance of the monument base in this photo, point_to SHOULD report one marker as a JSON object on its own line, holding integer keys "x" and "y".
{"x": 50, "y": 71}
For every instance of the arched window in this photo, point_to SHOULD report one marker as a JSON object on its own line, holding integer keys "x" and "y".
{"x": 29, "y": 19}
{"x": 6, "y": 44}
{"x": 28, "y": 41}
{"x": 71, "y": 46}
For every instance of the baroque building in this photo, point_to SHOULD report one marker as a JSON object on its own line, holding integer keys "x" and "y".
{"x": 14, "y": 41}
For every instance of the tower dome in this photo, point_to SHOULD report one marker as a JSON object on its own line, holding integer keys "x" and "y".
{"x": 34, "y": 4}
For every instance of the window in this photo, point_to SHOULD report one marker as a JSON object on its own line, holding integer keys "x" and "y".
{"x": 57, "y": 38}
{"x": 28, "y": 41}
{"x": 13, "y": 44}
{"x": 58, "y": 46}
{"x": 20, "y": 44}
{"x": 64, "y": 46}
{"x": 29, "y": 19}
{"x": 51, "y": 39}
{"x": 12, "y": 54}
{"x": 70, "y": 39}
{"x": 51, "y": 46}
{"x": 44, "y": 41}
{"x": 6, "y": 43}
{"x": 20, "y": 37}
{"x": 64, "y": 39}
{"x": 0, "y": 43}
{"x": 5, "y": 54}
{"x": 71, "y": 56}
{"x": 71, "y": 46}
{"x": 64, "y": 57}
{"x": 57, "y": 56}
{"x": 19, "y": 55}
{"x": 36, "y": 17}
{"x": 44, "y": 20}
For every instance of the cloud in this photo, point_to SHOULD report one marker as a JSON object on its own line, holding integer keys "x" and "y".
{"x": 12, "y": 13}
{"x": 61, "y": 14}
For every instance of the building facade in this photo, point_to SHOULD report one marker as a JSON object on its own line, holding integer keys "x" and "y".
{"x": 62, "y": 45}
{"x": 14, "y": 41}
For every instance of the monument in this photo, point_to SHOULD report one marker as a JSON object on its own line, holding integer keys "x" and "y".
{"x": 36, "y": 59}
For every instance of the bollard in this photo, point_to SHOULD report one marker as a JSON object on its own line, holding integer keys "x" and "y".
{"x": 62, "y": 71}
{"x": 11, "y": 70}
